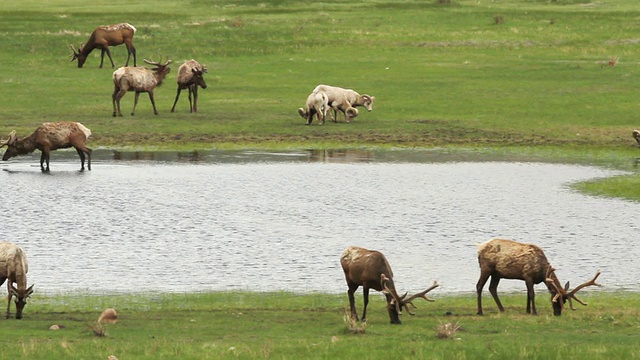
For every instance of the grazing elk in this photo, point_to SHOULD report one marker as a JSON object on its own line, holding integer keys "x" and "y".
{"x": 49, "y": 137}
{"x": 636, "y": 135}
{"x": 103, "y": 37}
{"x": 507, "y": 259}
{"x": 13, "y": 269}
{"x": 138, "y": 79}
{"x": 371, "y": 270}
{"x": 190, "y": 77}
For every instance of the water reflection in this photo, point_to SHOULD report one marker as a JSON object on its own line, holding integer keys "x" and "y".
{"x": 198, "y": 221}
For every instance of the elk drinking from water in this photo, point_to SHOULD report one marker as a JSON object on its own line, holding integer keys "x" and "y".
{"x": 49, "y": 137}
{"x": 13, "y": 269}
{"x": 507, "y": 259}
{"x": 371, "y": 270}
{"x": 103, "y": 37}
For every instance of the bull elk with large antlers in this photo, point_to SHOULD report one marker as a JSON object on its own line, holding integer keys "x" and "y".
{"x": 371, "y": 270}
{"x": 507, "y": 259}
{"x": 103, "y": 37}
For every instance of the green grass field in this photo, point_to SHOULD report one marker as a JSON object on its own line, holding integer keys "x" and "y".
{"x": 289, "y": 326}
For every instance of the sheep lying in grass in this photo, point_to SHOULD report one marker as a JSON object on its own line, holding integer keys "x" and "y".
{"x": 318, "y": 105}
{"x": 338, "y": 96}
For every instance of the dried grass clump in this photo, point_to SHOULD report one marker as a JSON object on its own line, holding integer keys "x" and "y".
{"x": 99, "y": 329}
{"x": 447, "y": 330}
{"x": 352, "y": 324}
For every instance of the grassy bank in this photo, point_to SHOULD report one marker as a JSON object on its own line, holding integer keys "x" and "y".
{"x": 557, "y": 78}
{"x": 283, "y": 325}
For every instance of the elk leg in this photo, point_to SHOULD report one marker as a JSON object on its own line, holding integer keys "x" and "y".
{"x": 365, "y": 294}
{"x": 531, "y": 299}
{"x": 135, "y": 102}
{"x": 493, "y": 289}
{"x": 483, "y": 280}
{"x": 176, "y": 101}
{"x": 195, "y": 98}
{"x": 153, "y": 102}
{"x": 352, "y": 301}
{"x": 117, "y": 95}
{"x": 106, "y": 50}
{"x": 131, "y": 51}
{"x": 191, "y": 90}
{"x": 44, "y": 157}
{"x": 8, "y": 298}
{"x": 81, "y": 151}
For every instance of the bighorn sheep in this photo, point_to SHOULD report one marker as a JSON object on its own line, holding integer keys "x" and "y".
{"x": 103, "y": 37}
{"x": 138, "y": 79}
{"x": 370, "y": 269}
{"x": 636, "y": 135}
{"x": 507, "y": 259}
{"x": 13, "y": 269}
{"x": 49, "y": 137}
{"x": 318, "y": 105}
{"x": 190, "y": 77}
{"x": 338, "y": 96}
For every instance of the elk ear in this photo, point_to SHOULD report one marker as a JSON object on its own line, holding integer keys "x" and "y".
{"x": 29, "y": 291}
{"x": 566, "y": 286}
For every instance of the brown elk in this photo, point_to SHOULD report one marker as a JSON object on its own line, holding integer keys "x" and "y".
{"x": 507, "y": 259}
{"x": 103, "y": 37}
{"x": 13, "y": 269}
{"x": 190, "y": 77}
{"x": 49, "y": 137}
{"x": 371, "y": 270}
{"x": 138, "y": 79}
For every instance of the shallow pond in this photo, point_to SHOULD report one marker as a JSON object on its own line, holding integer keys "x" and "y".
{"x": 184, "y": 222}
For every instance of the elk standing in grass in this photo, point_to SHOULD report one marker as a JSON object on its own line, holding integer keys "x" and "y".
{"x": 371, "y": 270}
{"x": 507, "y": 259}
{"x": 13, "y": 269}
{"x": 138, "y": 79}
{"x": 190, "y": 77}
{"x": 103, "y": 37}
{"x": 49, "y": 137}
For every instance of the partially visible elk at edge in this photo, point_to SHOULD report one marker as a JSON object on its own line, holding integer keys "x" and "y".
{"x": 103, "y": 37}
{"x": 636, "y": 135}
{"x": 13, "y": 269}
{"x": 139, "y": 80}
{"x": 190, "y": 76}
{"x": 49, "y": 137}
{"x": 507, "y": 259}
{"x": 371, "y": 270}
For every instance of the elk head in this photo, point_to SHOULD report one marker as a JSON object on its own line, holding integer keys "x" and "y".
{"x": 395, "y": 303}
{"x": 198, "y": 76}
{"x": 20, "y": 298}
{"x": 77, "y": 55}
{"x": 11, "y": 151}
{"x": 560, "y": 294}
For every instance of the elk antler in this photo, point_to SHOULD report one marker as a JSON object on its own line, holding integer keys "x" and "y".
{"x": 11, "y": 139}
{"x": 157, "y": 63}
{"x": 553, "y": 281}
{"x": 407, "y": 302}
{"x": 396, "y": 300}
{"x": 75, "y": 53}
{"x": 572, "y": 294}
